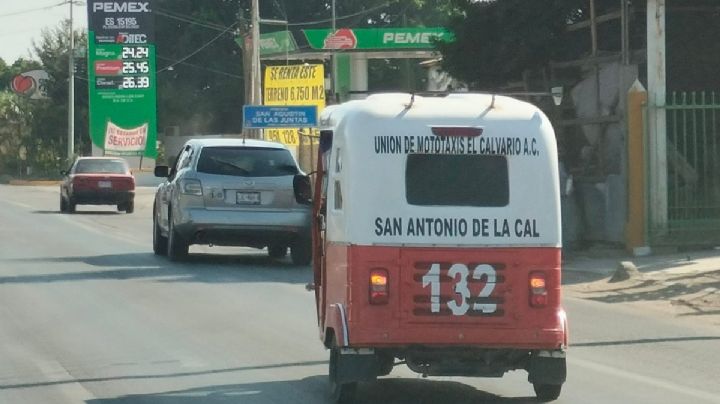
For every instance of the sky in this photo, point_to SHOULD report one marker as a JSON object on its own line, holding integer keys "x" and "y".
{"x": 21, "y": 22}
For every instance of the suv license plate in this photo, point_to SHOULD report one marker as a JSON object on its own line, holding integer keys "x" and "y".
{"x": 248, "y": 198}
{"x": 104, "y": 184}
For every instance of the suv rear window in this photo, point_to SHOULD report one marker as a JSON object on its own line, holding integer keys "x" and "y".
{"x": 456, "y": 180}
{"x": 246, "y": 161}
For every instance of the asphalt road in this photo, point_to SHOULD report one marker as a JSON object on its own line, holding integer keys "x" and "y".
{"x": 89, "y": 315}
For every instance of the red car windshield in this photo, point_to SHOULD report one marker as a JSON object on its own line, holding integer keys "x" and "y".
{"x": 100, "y": 167}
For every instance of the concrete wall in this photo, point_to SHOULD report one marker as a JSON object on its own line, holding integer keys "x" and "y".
{"x": 599, "y": 206}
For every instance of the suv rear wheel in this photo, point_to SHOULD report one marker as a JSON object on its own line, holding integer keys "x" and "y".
{"x": 277, "y": 251}
{"x": 160, "y": 242}
{"x": 177, "y": 247}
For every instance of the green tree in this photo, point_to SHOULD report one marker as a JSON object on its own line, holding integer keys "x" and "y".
{"x": 47, "y": 144}
{"x": 693, "y": 45}
{"x": 200, "y": 84}
{"x": 497, "y": 40}
{"x": 15, "y": 121}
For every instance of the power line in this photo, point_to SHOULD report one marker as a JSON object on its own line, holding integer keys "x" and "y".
{"x": 344, "y": 17}
{"x": 191, "y": 20}
{"x": 235, "y": 76}
{"x": 199, "y": 49}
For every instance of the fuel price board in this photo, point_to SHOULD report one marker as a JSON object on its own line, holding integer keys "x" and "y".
{"x": 123, "y": 118}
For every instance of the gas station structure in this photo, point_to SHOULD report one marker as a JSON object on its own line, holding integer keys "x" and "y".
{"x": 350, "y": 49}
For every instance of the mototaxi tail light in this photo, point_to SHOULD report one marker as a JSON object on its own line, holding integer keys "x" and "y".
{"x": 538, "y": 290}
{"x": 190, "y": 186}
{"x": 378, "y": 287}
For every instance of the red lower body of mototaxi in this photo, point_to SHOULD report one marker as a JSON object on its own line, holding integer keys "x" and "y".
{"x": 445, "y": 311}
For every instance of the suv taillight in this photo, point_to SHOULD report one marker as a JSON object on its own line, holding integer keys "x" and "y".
{"x": 379, "y": 286}
{"x": 190, "y": 186}
{"x": 538, "y": 291}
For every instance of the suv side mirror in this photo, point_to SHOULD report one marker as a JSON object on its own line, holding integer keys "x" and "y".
{"x": 302, "y": 189}
{"x": 326, "y": 138}
{"x": 161, "y": 171}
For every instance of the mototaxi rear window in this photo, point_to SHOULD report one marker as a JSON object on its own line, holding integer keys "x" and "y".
{"x": 457, "y": 180}
{"x": 246, "y": 161}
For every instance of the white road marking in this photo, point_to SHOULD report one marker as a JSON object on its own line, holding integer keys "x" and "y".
{"x": 651, "y": 381}
{"x": 18, "y": 204}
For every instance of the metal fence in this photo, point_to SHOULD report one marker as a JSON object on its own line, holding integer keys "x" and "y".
{"x": 693, "y": 157}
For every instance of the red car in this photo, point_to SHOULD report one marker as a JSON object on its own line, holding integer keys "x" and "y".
{"x": 98, "y": 181}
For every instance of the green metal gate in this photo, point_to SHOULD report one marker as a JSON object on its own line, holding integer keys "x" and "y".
{"x": 693, "y": 161}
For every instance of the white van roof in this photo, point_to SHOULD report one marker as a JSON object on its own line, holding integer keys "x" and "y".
{"x": 451, "y": 106}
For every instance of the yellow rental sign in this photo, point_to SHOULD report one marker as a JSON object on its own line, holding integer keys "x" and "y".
{"x": 294, "y": 85}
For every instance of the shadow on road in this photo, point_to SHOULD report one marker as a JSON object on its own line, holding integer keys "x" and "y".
{"x": 79, "y": 212}
{"x": 573, "y": 277}
{"x": 159, "y": 376}
{"x": 203, "y": 268}
{"x": 673, "y": 289}
{"x": 630, "y": 294}
{"x": 314, "y": 390}
{"x": 643, "y": 341}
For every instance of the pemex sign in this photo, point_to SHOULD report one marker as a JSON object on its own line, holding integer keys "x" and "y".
{"x": 376, "y": 38}
{"x": 361, "y": 39}
{"x": 121, "y": 75}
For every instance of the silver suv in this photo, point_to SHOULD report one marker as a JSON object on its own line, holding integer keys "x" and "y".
{"x": 232, "y": 192}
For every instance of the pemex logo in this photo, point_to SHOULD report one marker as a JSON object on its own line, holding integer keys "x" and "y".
{"x": 344, "y": 38}
{"x": 31, "y": 84}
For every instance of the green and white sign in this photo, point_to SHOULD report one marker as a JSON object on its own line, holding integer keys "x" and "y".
{"x": 277, "y": 42}
{"x": 121, "y": 74}
{"x": 376, "y": 38}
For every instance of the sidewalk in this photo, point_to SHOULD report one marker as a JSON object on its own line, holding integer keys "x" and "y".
{"x": 683, "y": 284}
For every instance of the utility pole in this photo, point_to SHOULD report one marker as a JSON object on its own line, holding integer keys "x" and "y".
{"x": 71, "y": 90}
{"x": 333, "y": 75}
{"x": 256, "y": 70}
{"x": 250, "y": 31}
{"x": 657, "y": 121}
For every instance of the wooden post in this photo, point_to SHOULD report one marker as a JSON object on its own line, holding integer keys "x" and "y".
{"x": 635, "y": 225}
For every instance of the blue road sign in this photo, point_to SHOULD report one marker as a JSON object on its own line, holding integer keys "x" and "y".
{"x": 268, "y": 117}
